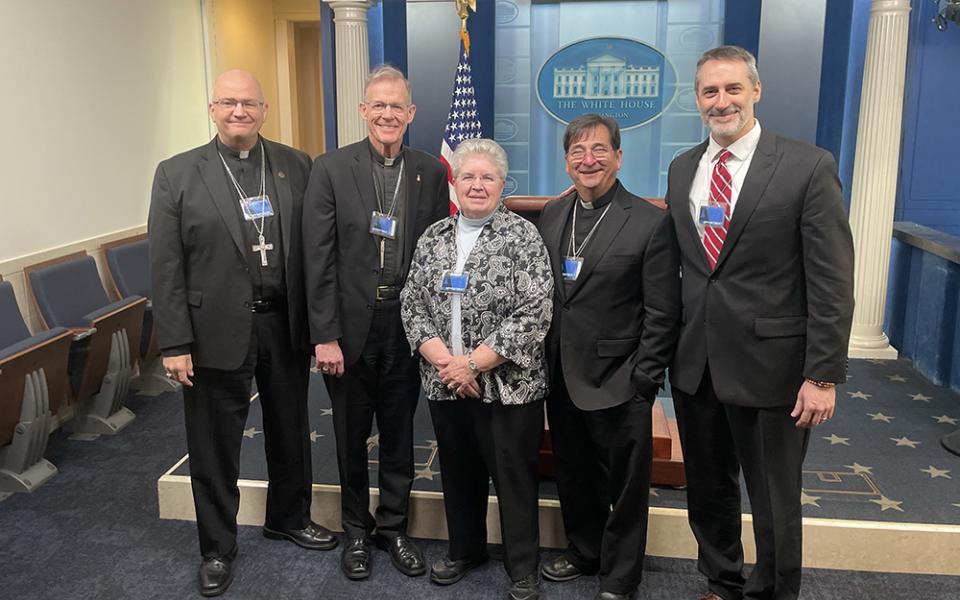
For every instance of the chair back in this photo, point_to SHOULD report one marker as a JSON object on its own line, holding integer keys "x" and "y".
{"x": 130, "y": 268}
{"x": 12, "y": 327}
{"x": 67, "y": 291}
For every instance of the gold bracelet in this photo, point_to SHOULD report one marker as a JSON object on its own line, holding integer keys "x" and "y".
{"x": 823, "y": 385}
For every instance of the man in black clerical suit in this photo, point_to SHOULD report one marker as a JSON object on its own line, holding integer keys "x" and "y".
{"x": 615, "y": 324}
{"x": 767, "y": 261}
{"x": 226, "y": 263}
{"x": 365, "y": 207}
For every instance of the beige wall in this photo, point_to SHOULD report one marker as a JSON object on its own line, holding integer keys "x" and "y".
{"x": 95, "y": 94}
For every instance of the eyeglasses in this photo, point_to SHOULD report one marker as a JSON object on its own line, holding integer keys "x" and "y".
{"x": 598, "y": 151}
{"x": 470, "y": 179}
{"x": 378, "y": 108}
{"x": 231, "y": 103}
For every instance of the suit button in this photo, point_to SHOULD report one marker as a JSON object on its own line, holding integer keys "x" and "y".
{"x": 246, "y": 305}
{"x": 369, "y": 307}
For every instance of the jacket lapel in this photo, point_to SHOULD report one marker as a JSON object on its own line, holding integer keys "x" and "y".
{"x": 556, "y": 246}
{"x": 412, "y": 173}
{"x": 281, "y": 183}
{"x": 616, "y": 217}
{"x": 680, "y": 205}
{"x": 211, "y": 171}
{"x": 764, "y": 162}
{"x": 363, "y": 177}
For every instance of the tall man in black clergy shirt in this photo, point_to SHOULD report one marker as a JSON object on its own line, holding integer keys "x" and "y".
{"x": 767, "y": 261}
{"x": 365, "y": 207}
{"x": 228, "y": 299}
{"x": 616, "y": 319}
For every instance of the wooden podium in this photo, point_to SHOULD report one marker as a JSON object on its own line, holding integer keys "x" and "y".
{"x": 667, "y": 455}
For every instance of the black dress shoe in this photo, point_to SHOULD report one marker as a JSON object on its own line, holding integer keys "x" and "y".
{"x": 560, "y": 569}
{"x": 216, "y": 574}
{"x": 446, "y": 571}
{"x": 312, "y": 537}
{"x": 527, "y": 588}
{"x": 404, "y": 554}
{"x": 355, "y": 560}
{"x": 604, "y": 595}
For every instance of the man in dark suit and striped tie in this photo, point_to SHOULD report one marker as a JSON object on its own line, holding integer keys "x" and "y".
{"x": 767, "y": 265}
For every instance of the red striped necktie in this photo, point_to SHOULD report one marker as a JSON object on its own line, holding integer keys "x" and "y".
{"x": 720, "y": 190}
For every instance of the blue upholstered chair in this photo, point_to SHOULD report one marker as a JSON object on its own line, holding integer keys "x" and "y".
{"x": 69, "y": 294}
{"x": 33, "y": 386}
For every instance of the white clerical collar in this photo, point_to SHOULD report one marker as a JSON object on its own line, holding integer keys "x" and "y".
{"x": 741, "y": 148}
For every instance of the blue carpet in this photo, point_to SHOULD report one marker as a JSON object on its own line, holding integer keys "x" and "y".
{"x": 92, "y": 532}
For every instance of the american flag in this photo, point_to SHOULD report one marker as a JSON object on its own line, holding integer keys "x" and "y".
{"x": 463, "y": 121}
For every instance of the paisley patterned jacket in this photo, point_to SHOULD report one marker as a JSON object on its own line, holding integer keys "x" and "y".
{"x": 508, "y": 304}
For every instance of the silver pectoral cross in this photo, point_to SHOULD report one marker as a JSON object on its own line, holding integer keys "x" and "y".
{"x": 262, "y": 248}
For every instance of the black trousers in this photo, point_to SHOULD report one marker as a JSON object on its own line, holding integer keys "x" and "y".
{"x": 384, "y": 383}
{"x": 477, "y": 441}
{"x": 216, "y": 409}
{"x": 603, "y": 460}
{"x": 718, "y": 440}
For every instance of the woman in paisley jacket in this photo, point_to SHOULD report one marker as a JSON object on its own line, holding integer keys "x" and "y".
{"x": 477, "y": 306}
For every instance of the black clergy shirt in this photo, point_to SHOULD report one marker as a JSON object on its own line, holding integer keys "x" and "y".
{"x": 384, "y": 183}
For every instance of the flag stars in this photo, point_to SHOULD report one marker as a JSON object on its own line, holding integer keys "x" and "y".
{"x": 880, "y": 417}
{"x": 905, "y": 441}
{"x": 887, "y": 504}
{"x": 835, "y": 440}
{"x": 859, "y": 394}
{"x": 934, "y": 472}
{"x": 920, "y": 397}
{"x": 945, "y": 419}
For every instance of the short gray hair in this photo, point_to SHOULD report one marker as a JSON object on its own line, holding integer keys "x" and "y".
{"x": 484, "y": 147}
{"x": 387, "y": 73}
{"x": 731, "y": 53}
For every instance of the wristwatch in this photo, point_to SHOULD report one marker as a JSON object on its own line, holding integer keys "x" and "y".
{"x": 473, "y": 365}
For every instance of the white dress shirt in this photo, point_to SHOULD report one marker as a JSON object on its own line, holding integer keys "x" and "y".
{"x": 741, "y": 155}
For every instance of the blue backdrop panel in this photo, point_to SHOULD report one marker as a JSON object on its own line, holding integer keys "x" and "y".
{"x": 528, "y": 34}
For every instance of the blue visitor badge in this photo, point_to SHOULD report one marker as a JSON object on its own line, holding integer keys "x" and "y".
{"x": 383, "y": 225}
{"x": 256, "y": 207}
{"x": 571, "y": 267}
{"x": 453, "y": 282}
{"x": 712, "y": 215}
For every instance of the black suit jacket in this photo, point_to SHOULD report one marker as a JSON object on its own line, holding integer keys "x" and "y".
{"x": 342, "y": 256}
{"x": 614, "y": 332}
{"x": 779, "y": 305}
{"x": 199, "y": 270}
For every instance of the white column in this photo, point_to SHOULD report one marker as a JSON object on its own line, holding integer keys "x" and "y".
{"x": 875, "y": 173}
{"x": 353, "y": 64}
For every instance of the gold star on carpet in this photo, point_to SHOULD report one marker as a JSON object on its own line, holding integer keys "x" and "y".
{"x": 859, "y": 394}
{"x": 834, "y": 439}
{"x": 249, "y": 433}
{"x": 934, "y": 472}
{"x": 921, "y": 397}
{"x": 857, "y": 468}
{"x": 808, "y": 500}
{"x": 880, "y": 417}
{"x": 905, "y": 441}
{"x": 426, "y": 473}
{"x": 897, "y": 378}
{"x": 314, "y": 436}
{"x": 945, "y": 419}
{"x": 326, "y": 412}
{"x": 886, "y": 503}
